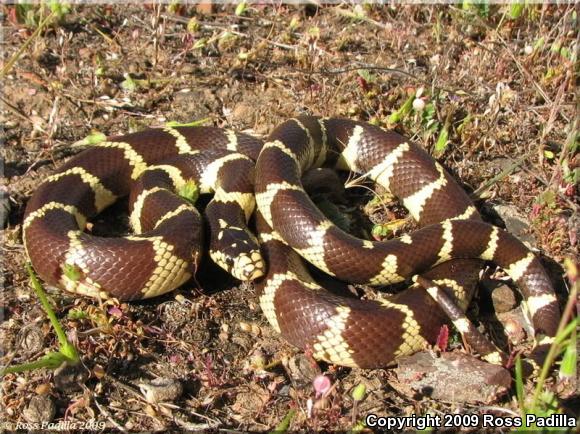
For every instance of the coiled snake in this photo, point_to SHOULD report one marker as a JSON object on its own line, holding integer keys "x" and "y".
{"x": 152, "y": 166}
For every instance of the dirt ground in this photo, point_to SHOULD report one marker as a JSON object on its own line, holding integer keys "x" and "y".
{"x": 501, "y": 87}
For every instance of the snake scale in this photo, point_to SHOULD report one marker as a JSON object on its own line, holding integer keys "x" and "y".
{"x": 156, "y": 166}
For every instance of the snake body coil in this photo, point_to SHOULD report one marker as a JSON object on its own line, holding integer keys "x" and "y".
{"x": 152, "y": 165}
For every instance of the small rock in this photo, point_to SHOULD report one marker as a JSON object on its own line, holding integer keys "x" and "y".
{"x": 161, "y": 390}
{"x": 41, "y": 408}
{"x": 242, "y": 112}
{"x": 302, "y": 370}
{"x": 453, "y": 377}
{"x": 68, "y": 378}
{"x": 503, "y": 298}
{"x": 32, "y": 340}
{"x": 516, "y": 223}
{"x": 43, "y": 389}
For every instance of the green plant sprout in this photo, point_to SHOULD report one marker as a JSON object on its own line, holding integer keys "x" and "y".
{"x": 403, "y": 111}
{"x": 66, "y": 352}
{"x": 284, "y": 424}
{"x": 189, "y": 191}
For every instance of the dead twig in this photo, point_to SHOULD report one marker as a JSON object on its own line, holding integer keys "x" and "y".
{"x": 15, "y": 110}
{"x": 106, "y": 413}
{"x": 487, "y": 185}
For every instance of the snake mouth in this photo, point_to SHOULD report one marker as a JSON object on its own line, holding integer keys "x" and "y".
{"x": 248, "y": 266}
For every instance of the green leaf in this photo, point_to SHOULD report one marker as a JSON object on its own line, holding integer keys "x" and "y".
{"x": 359, "y": 392}
{"x": 173, "y": 6}
{"x": 556, "y": 47}
{"x": 367, "y": 76}
{"x": 516, "y": 10}
{"x": 95, "y": 137}
{"x": 294, "y": 23}
{"x": 313, "y": 32}
{"x": 547, "y": 198}
{"x": 59, "y": 8}
{"x": 241, "y": 8}
{"x": 200, "y": 43}
{"x": 283, "y": 426}
{"x": 380, "y": 231}
{"x": 549, "y": 155}
{"x": 403, "y": 111}
{"x": 359, "y": 427}
{"x": 129, "y": 84}
{"x": 442, "y": 141}
{"x": 77, "y": 314}
{"x": 67, "y": 351}
{"x": 193, "y": 25}
{"x": 72, "y": 271}
{"x": 539, "y": 44}
{"x": 189, "y": 191}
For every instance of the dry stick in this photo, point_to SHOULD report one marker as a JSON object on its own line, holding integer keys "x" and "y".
{"x": 15, "y": 110}
{"x": 108, "y": 39}
{"x": 8, "y": 66}
{"x": 106, "y": 413}
{"x": 487, "y": 185}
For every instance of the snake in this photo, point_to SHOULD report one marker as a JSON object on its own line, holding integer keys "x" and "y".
{"x": 264, "y": 227}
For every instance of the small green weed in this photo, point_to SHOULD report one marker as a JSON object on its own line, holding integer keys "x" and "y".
{"x": 66, "y": 352}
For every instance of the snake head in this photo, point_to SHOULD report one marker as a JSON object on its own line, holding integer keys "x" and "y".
{"x": 236, "y": 250}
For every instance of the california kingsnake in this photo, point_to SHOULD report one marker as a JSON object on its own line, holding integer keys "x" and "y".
{"x": 153, "y": 164}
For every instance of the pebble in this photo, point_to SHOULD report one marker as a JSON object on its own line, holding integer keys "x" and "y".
{"x": 516, "y": 223}
{"x": 453, "y": 377}
{"x": 301, "y": 369}
{"x": 41, "y": 408}
{"x": 503, "y": 298}
{"x": 161, "y": 390}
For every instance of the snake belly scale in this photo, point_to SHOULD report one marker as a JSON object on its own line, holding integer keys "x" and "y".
{"x": 447, "y": 251}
